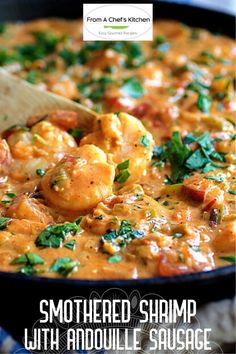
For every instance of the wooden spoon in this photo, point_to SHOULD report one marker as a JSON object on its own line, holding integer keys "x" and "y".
{"x": 19, "y": 100}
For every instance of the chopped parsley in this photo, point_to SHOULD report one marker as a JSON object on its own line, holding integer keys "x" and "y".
{"x": 144, "y": 141}
{"x": 64, "y": 266}
{"x": 177, "y": 235}
{"x": 195, "y": 248}
{"x": 33, "y": 76}
{"x": 40, "y": 172}
{"x": 232, "y": 191}
{"x": 70, "y": 245}
{"x": 114, "y": 240}
{"x": 94, "y": 89}
{"x": 8, "y": 197}
{"x": 204, "y": 103}
{"x": 4, "y": 222}
{"x": 114, "y": 259}
{"x": 99, "y": 217}
{"x": 183, "y": 160}
{"x": 161, "y": 44}
{"x": 45, "y": 44}
{"x": 2, "y": 27}
{"x": 69, "y": 57}
{"x": 230, "y": 259}
{"x": 28, "y": 258}
{"x": 124, "y": 173}
{"x": 215, "y": 178}
{"x": 76, "y": 132}
{"x": 122, "y": 176}
{"x": 132, "y": 87}
{"x": 123, "y": 165}
{"x": 197, "y": 86}
{"x": 28, "y": 261}
{"x": 54, "y": 235}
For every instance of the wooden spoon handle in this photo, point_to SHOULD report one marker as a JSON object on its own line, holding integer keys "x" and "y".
{"x": 19, "y": 100}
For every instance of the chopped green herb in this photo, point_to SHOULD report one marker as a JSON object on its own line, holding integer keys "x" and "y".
{"x": 2, "y": 27}
{"x": 233, "y": 137}
{"x": 54, "y": 235}
{"x": 69, "y": 57}
{"x": 94, "y": 89}
{"x": 215, "y": 178}
{"x": 207, "y": 54}
{"x": 177, "y": 235}
{"x": 161, "y": 44}
{"x": 124, "y": 172}
{"x": 195, "y": 248}
{"x": 165, "y": 203}
{"x": 99, "y": 217}
{"x": 64, "y": 266}
{"x": 4, "y": 222}
{"x": 110, "y": 69}
{"x": 70, "y": 245}
{"x": 76, "y": 133}
{"x": 183, "y": 160}
{"x": 194, "y": 34}
{"x": 118, "y": 239}
{"x": 197, "y": 160}
{"x": 115, "y": 259}
{"x": 132, "y": 88}
{"x": 40, "y": 172}
{"x": 28, "y": 261}
{"x": 176, "y": 154}
{"x": 204, "y": 103}
{"x": 123, "y": 165}
{"x": 45, "y": 44}
{"x": 122, "y": 176}
{"x": 5, "y": 57}
{"x": 159, "y": 39}
{"x": 27, "y": 270}
{"x": 34, "y": 137}
{"x": 10, "y": 195}
{"x": 230, "y": 259}
{"x": 197, "y": 86}
{"x": 144, "y": 141}
{"x": 33, "y": 76}
{"x": 232, "y": 191}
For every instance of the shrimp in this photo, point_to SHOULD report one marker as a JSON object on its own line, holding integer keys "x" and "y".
{"x": 123, "y": 137}
{"x": 79, "y": 183}
{"x": 38, "y": 148}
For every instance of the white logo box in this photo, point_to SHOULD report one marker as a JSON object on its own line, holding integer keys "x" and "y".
{"x": 117, "y": 22}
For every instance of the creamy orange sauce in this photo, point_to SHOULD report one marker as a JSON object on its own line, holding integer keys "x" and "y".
{"x": 146, "y": 211}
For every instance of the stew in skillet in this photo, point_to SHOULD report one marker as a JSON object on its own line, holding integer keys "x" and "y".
{"x": 129, "y": 197}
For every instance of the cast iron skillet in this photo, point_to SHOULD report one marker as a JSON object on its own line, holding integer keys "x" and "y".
{"x": 20, "y": 295}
